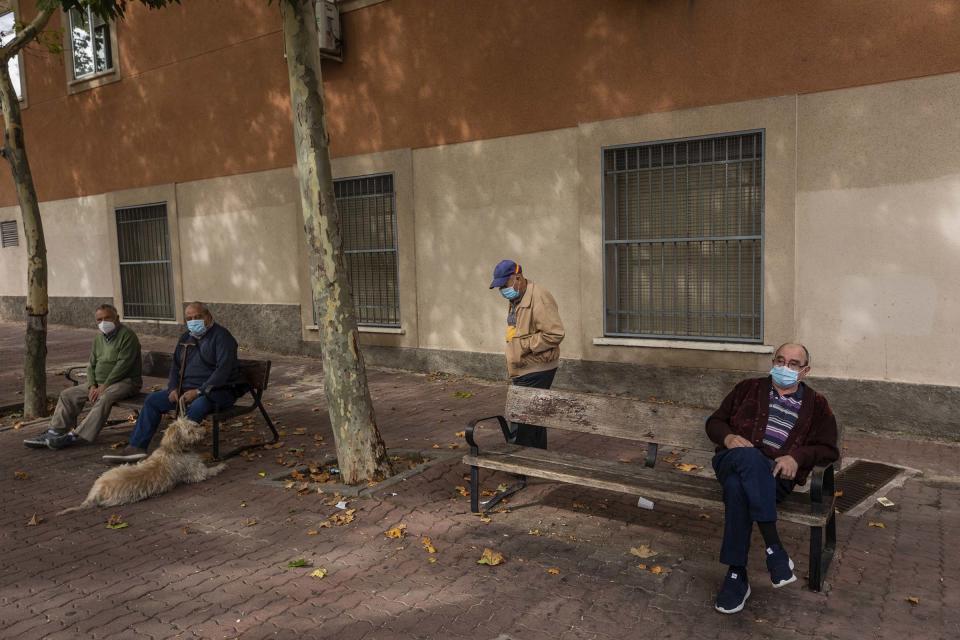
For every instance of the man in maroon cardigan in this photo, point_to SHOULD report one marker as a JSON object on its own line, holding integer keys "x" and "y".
{"x": 770, "y": 432}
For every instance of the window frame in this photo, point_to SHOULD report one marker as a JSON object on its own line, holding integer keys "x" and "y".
{"x": 97, "y": 78}
{"x": 171, "y": 262}
{"x": 385, "y": 326}
{"x": 608, "y": 333}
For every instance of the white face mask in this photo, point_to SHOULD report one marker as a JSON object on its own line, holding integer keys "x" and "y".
{"x": 106, "y": 327}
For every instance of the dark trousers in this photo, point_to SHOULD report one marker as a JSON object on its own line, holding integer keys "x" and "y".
{"x": 530, "y": 435}
{"x": 157, "y": 404}
{"x": 750, "y": 494}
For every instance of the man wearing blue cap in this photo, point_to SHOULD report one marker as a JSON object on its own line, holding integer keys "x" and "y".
{"x": 534, "y": 334}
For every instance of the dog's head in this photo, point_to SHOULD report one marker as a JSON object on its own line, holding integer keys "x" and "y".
{"x": 182, "y": 434}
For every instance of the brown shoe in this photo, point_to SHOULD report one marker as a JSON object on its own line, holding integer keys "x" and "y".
{"x": 129, "y": 454}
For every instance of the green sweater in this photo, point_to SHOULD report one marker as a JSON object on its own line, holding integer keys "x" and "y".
{"x": 115, "y": 360}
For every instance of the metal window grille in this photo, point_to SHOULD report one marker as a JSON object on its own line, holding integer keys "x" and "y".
{"x": 146, "y": 270}
{"x": 368, "y": 224}
{"x": 683, "y": 239}
{"x": 8, "y": 233}
{"x": 90, "y": 43}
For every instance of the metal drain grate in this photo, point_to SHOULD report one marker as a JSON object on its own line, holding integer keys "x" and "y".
{"x": 860, "y": 480}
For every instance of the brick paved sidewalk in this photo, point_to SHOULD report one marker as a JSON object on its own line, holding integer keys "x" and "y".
{"x": 210, "y": 560}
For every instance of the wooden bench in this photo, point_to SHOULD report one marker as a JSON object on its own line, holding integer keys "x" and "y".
{"x": 256, "y": 376}
{"x": 657, "y": 426}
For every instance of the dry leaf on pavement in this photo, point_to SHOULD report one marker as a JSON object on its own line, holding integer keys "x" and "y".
{"x": 462, "y": 490}
{"x": 643, "y": 551}
{"x": 21, "y": 475}
{"x": 658, "y": 570}
{"x": 431, "y": 560}
{"x": 116, "y": 522}
{"x": 34, "y": 521}
{"x": 485, "y": 519}
{"x": 553, "y": 571}
{"x": 343, "y": 517}
{"x": 642, "y": 566}
{"x": 878, "y": 525}
{"x": 686, "y": 466}
{"x": 428, "y": 545}
{"x": 491, "y": 557}
{"x": 396, "y": 532}
{"x": 250, "y": 522}
{"x": 319, "y": 573}
{"x": 534, "y": 532}
{"x": 913, "y": 600}
{"x": 460, "y": 434}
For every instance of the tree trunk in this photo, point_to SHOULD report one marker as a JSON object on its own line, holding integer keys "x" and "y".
{"x": 360, "y": 451}
{"x": 14, "y": 150}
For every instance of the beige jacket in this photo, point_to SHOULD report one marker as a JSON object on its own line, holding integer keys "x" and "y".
{"x": 536, "y": 345}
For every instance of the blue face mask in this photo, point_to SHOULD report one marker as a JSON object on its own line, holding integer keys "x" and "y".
{"x": 784, "y": 377}
{"x": 509, "y": 293}
{"x": 196, "y": 327}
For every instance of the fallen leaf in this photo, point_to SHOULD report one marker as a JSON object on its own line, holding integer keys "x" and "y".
{"x": 298, "y": 563}
{"x": 643, "y": 551}
{"x": 485, "y": 519}
{"x": 243, "y": 504}
{"x": 116, "y": 522}
{"x": 642, "y": 566}
{"x": 21, "y": 475}
{"x": 250, "y": 522}
{"x": 34, "y": 521}
{"x": 534, "y": 532}
{"x": 704, "y": 516}
{"x": 878, "y": 525}
{"x": 428, "y": 545}
{"x": 913, "y": 600}
{"x": 319, "y": 573}
{"x": 342, "y": 518}
{"x": 462, "y": 490}
{"x": 838, "y": 493}
{"x": 686, "y": 467}
{"x": 502, "y": 487}
{"x": 463, "y": 395}
{"x": 300, "y": 431}
{"x": 491, "y": 557}
{"x": 460, "y": 434}
{"x": 435, "y": 446}
{"x": 553, "y": 571}
{"x": 312, "y": 532}
{"x": 118, "y": 445}
{"x": 658, "y": 570}
{"x": 185, "y": 531}
{"x": 431, "y": 560}
{"x": 487, "y": 493}
{"x": 396, "y": 532}
{"x": 262, "y": 474}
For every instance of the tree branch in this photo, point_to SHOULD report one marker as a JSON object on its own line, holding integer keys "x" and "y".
{"x": 27, "y": 34}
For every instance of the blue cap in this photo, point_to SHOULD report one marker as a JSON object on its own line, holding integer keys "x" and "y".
{"x": 502, "y": 273}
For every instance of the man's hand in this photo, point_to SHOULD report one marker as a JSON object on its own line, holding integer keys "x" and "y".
{"x": 786, "y": 467}
{"x": 93, "y": 393}
{"x": 191, "y": 395}
{"x": 734, "y": 441}
{"x": 173, "y": 396}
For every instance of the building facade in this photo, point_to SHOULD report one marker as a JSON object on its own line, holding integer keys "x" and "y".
{"x": 696, "y": 182}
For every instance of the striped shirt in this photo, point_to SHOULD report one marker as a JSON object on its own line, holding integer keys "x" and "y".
{"x": 782, "y": 417}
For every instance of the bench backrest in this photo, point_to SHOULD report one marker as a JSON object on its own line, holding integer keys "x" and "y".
{"x": 665, "y": 424}
{"x": 256, "y": 373}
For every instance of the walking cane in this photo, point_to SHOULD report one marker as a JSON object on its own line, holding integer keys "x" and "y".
{"x": 183, "y": 368}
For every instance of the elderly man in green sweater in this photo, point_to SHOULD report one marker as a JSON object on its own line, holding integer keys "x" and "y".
{"x": 113, "y": 373}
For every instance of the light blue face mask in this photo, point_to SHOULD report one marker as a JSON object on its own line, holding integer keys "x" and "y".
{"x": 784, "y": 377}
{"x": 509, "y": 293}
{"x": 196, "y": 327}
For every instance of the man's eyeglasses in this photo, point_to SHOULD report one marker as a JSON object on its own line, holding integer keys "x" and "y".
{"x": 796, "y": 365}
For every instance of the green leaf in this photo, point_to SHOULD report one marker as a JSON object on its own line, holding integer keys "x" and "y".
{"x": 298, "y": 563}
{"x": 119, "y": 525}
{"x": 463, "y": 395}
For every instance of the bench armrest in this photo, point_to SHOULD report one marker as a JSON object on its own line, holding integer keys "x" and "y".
{"x": 822, "y": 483}
{"x": 70, "y": 374}
{"x": 472, "y": 425}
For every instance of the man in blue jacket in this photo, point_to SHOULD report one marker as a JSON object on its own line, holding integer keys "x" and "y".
{"x": 204, "y": 372}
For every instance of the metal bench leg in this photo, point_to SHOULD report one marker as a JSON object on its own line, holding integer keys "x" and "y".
{"x": 266, "y": 418}
{"x": 512, "y": 489}
{"x": 216, "y": 437}
{"x": 821, "y": 552}
{"x": 474, "y": 490}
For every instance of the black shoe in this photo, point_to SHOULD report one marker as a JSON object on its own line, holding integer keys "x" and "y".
{"x": 129, "y": 454}
{"x": 63, "y": 441}
{"x": 734, "y": 592}
{"x": 780, "y": 567}
{"x": 40, "y": 441}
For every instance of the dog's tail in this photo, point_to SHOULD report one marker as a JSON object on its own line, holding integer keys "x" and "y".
{"x": 82, "y": 507}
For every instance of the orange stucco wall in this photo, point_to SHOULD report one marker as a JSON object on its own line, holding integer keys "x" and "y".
{"x": 204, "y": 88}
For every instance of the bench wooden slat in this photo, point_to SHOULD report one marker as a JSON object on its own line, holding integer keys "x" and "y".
{"x": 667, "y": 425}
{"x": 656, "y": 484}
{"x": 256, "y": 373}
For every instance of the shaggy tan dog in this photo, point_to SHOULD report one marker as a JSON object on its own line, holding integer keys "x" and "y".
{"x": 168, "y": 466}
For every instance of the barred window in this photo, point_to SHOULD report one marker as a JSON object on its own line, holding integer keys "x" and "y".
{"x": 9, "y": 236}
{"x": 368, "y": 224}
{"x": 146, "y": 270}
{"x": 91, "y": 45}
{"x": 683, "y": 243}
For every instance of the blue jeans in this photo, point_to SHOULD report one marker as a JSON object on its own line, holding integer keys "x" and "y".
{"x": 158, "y": 403}
{"x": 750, "y": 494}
